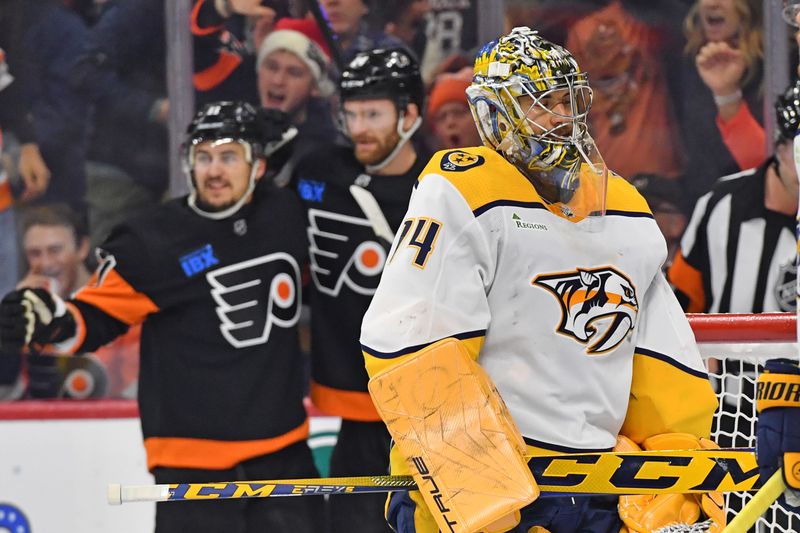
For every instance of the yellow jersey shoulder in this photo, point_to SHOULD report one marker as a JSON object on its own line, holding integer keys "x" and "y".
{"x": 622, "y": 196}
{"x": 481, "y": 175}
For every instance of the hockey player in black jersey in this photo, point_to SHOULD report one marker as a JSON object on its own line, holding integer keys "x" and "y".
{"x": 214, "y": 279}
{"x": 355, "y": 199}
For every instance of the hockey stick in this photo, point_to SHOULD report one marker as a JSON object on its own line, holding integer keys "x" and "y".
{"x": 327, "y": 34}
{"x": 755, "y": 508}
{"x": 649, "y": 472}
{"x": 369, "y": 205}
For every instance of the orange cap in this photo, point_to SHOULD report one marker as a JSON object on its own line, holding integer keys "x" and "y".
{"x": 447, "y": 89}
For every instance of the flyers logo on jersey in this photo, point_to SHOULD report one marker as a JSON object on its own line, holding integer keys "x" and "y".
{"x": 458, "y": 161}
{"x": 344, "y": 251}
{"x": 597, "y": 305}
{"x": 255, "y": 295}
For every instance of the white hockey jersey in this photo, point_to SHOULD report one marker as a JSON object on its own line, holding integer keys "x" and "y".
{"x": 578, "y": 328}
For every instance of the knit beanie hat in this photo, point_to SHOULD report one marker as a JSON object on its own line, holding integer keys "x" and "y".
{"x": 448, "y": 88}
{"x": 303, "y": 38}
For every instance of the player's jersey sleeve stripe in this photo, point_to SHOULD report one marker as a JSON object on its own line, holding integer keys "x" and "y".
{"x": 507, "y": 203}
{"x": 669, "y": 360}
{"x": 117, "y": 298}
{"x": 352, "y": 405}
{"x": 537, "y": 447}
{"x": 208, "y": 454}
{"x": 411, "y": 349}
{"x": 667, "y": 397}
{"x": 70, "y": 346}
{"x": 688, "y": 281}
{"x": 630, "y": 214}
{"x": 375, "y": 365}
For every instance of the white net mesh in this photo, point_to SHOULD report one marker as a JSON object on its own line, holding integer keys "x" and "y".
{"x": 686, "y": 528}
{"x": 734, "y": 379}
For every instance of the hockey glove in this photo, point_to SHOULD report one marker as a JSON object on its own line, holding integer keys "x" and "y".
{"x": 650, "y": 512}
{"x": 33, "y": 316}
{"x": 778, "y": 427}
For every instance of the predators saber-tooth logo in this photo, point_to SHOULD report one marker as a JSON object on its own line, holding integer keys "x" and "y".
{"x": 344, "y": 252}
{"x": 255, "y": 295}
{"x": 597, "y": 305}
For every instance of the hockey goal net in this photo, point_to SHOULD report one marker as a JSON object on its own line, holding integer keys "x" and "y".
{"x": 735, "y": 348}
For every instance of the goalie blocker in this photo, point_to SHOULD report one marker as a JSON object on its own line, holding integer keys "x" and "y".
{"x": 466, "y": 454}
{"x": 778, "y": 428}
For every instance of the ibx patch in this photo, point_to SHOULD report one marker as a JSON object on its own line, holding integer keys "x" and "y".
{"x": 459, "y": 161}
{"x": 310, "y": 190}
{"x": 198, "y": 260}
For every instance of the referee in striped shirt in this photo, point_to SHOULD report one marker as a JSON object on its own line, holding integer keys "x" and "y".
{"x": 737, "y": 254}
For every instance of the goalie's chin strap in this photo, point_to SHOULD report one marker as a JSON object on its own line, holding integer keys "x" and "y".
{"x": 404, "y": 137}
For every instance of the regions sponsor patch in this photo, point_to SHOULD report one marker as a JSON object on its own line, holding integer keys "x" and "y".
{"x": 458, "y": 161}
{"x": 519, "y": 223}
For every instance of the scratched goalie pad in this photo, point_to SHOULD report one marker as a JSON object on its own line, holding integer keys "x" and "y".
{"x": 464, "y": 450}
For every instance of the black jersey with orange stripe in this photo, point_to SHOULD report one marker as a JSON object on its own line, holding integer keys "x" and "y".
{"x": 221, "y": 369}
{"x": 347, "y": 255}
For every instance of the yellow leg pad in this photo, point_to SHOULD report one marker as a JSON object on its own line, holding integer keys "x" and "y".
{"x": 449, "y": 422}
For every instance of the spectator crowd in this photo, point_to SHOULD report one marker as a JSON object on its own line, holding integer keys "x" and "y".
{"x": 84, "y": 105}
{"x": 356, "y": 95}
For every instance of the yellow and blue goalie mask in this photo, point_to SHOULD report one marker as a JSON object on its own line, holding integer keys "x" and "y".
{"x": 530, "y": 100}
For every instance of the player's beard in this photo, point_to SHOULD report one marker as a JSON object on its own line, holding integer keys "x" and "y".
{"x": 383, "y": 147}
{"x": 208, "y": 208}
{"x": 211, "y": 208}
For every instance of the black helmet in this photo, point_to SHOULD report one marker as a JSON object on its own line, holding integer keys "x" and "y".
{"x": 384, "y": 73}
{"x": 264, "y": 130}
{"x": 787, "y": 110}
{"x": 261, "y": 132}
{"x": 227, "y": 120}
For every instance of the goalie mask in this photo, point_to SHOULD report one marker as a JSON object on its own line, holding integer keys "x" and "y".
{"x": 530, "y": 100}
{"x": 261, "y": 132}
